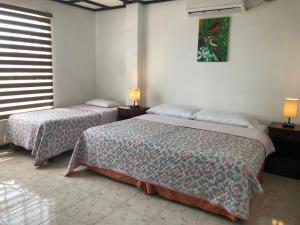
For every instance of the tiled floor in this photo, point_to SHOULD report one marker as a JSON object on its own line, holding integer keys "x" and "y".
{"x": 44, "y": 196}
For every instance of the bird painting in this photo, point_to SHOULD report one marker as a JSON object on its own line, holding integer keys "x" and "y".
{"x": 213, "y": 40}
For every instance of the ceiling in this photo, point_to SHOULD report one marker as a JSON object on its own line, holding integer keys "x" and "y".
{"x": 101, "y": 5}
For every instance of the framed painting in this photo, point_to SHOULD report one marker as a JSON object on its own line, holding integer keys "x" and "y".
{"x": 213, "y": 40}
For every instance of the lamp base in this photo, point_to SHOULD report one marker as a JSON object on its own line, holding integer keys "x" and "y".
{"x": 134, "y": 106}
{"x": 288, "y": 125}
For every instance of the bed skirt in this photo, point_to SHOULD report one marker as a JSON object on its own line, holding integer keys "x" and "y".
{"x": 173, "y": 195}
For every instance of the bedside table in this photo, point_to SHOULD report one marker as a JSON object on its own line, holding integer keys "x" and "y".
{"x": 127, "y": 112}
{"x": 286, "y": 160}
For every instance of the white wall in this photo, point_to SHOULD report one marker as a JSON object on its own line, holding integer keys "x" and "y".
{"x": 119, "y": 51}
{"x": 73, "y": 37}
{"x": 262, "y": 70}
{"x": 111, "y": 54}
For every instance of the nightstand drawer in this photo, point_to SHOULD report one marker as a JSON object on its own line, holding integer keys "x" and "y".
{"x": 284, "y": 134}
{"x": 286, "y": 160}
{"x": 130, "y": 113}
{"x": 283, "y": 166}
{"x": 127, "y": 112}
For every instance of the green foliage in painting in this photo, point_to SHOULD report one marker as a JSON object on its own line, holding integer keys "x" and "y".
{"x": 213, "y": 40}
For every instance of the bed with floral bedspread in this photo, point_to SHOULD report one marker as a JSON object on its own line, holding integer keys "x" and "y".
{"x": 215, "y": 163}
{"x": 48, "y": 133}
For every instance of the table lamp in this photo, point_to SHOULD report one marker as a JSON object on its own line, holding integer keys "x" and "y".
{"x": 290, "y": 111}
{"x": 134, "y": 95}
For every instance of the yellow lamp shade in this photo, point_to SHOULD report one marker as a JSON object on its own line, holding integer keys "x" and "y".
{"x": 134, "y": 94}
{"x": 290, "y": 107}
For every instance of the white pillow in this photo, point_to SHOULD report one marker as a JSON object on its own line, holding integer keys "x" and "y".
{"x": 102, "y": 103}
{"x": 216, "y": 116}
{"x": 173, "y": 110}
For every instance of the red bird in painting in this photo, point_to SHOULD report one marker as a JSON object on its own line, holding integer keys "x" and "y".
{"x": 215, "y": 28}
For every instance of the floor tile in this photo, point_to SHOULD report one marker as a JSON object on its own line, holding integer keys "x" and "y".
{"x": 146, "y": 205}
{"x": 11, "y": 198}
{"x": 90, "y": 210}
{"x": 117, "y": 192}
{"x": 42, "y": 187}
{"x": 177, "y": 214}
{"x": 32, "y": 213}
{"x": 62, "y": 219}
{"x": 124, "y": 216}
{"x": 65, "y": 198}
{"x": 3, "y": 222}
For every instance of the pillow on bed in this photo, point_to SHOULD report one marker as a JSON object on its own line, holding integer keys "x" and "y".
{"x": 102, "y": 103}
{"x": 216, "y": 116}
{"x": 173, "y": 110}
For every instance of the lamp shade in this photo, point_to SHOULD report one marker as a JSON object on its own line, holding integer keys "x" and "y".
{"x": 290, "y": 107}
{"x": 134, "y": 94}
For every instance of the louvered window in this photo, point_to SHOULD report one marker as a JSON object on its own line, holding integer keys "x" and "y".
{"x": 25, "y": 60}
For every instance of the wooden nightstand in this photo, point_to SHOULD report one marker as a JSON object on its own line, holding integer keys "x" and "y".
{"x": 286, "y": 160}
{"x": 127, "y": 112}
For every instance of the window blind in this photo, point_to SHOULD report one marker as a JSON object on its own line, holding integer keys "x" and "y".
{"x": 26, "y": 81}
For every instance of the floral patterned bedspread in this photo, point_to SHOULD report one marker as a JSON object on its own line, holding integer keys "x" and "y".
{"x": 49, "y": 132}
{"x": 218, "y": 167}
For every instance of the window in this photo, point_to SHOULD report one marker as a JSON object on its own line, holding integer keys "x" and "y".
{"x": 26, "y": 82}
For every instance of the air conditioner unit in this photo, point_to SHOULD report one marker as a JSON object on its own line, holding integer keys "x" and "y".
{"x": 208, "y": 8}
